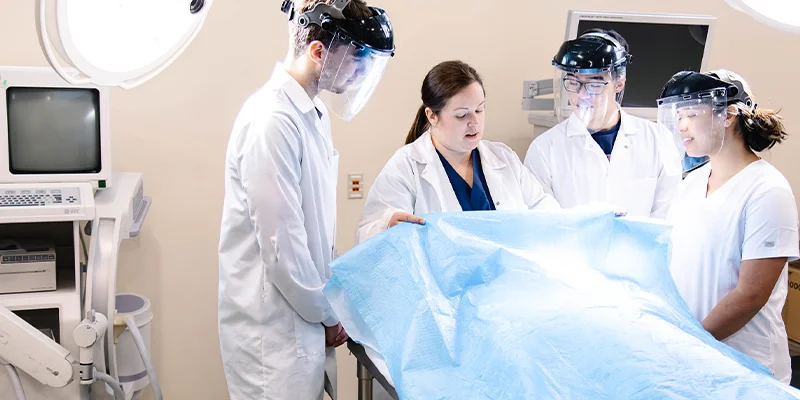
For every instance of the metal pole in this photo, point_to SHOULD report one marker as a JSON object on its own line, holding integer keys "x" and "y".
{"x": 364, "y": 382}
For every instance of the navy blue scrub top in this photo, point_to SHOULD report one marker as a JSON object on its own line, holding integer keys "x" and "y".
{"x": 605, "y": 139}
{"x": 475, "y": 198}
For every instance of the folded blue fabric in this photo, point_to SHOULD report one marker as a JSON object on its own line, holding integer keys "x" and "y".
{"x": 573, "y": 304}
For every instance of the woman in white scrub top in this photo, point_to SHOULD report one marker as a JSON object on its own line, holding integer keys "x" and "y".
{"x": 734, "y": 220}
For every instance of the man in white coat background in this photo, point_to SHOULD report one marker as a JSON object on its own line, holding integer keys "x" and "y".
{"x": 277, "y": 330}
{"x": 601, "y": 154}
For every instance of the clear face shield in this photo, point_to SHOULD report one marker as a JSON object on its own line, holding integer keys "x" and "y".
{"x": 697, "y": 123}
{"x": 350, "y": 74}
{"x": 589, "y": 98}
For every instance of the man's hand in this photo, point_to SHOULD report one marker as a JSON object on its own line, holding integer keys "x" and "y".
{"x": 402, "y": 216}
{"x": 335, "y": 336}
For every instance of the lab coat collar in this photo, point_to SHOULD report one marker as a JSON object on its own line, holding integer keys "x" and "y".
{"x": 281, "y": 79}
{"x": 489, "y": 159}
{"x": 625, "y": 125}
{"x": 423, "y": 151}
{"x": 575, "y": 126}
{"x": 626, "y": 130}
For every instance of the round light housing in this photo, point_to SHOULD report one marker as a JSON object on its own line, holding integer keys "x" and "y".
{"x": 781, "y": 14}
{"x": 116, "y": 42}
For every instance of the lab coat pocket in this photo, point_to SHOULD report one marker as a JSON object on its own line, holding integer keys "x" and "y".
{"x": 309, "y": 337}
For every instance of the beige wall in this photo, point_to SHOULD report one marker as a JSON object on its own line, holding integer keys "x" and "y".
{"x": 174, "y": 129}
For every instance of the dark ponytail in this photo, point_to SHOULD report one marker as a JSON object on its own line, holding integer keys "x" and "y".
{"x": 441, "y": 83}
{"x": 761, "y": 129}
{"x": 419, "y": 127}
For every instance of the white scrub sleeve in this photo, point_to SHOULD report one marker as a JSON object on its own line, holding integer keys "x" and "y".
{"x": 771, "y": 224}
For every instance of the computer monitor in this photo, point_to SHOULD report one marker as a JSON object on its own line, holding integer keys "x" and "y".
{"x": 661, "y": 45}
{"x": 52, "y": 131}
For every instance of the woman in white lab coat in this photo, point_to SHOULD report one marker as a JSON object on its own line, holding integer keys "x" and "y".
{"x": 445, "y": 166}
{"x": 601, "y": 154}
{"x": 735, "y": 219}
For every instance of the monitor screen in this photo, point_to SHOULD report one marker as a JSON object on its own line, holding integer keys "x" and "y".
{"x": 659, "y": 51}
{"x": 53, "y": 130}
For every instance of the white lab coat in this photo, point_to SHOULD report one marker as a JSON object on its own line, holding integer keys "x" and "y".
{"x": 414, "y": 181}
{"x": 641, "y": 177}
{"x": 276, "y": 241}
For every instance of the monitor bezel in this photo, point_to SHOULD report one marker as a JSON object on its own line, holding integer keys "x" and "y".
{"x": 45, "y": 77}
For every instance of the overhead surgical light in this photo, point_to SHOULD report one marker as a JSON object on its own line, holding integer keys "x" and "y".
{"x": 780, "y": 14}
{"x": 116, "y": 42}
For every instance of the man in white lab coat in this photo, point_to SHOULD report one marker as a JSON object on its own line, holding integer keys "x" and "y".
{"x": 277, "y": 330}
{"x": 601, "y": 154}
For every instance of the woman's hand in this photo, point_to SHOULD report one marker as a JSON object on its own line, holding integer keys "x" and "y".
{"x": 402, "y": 216}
